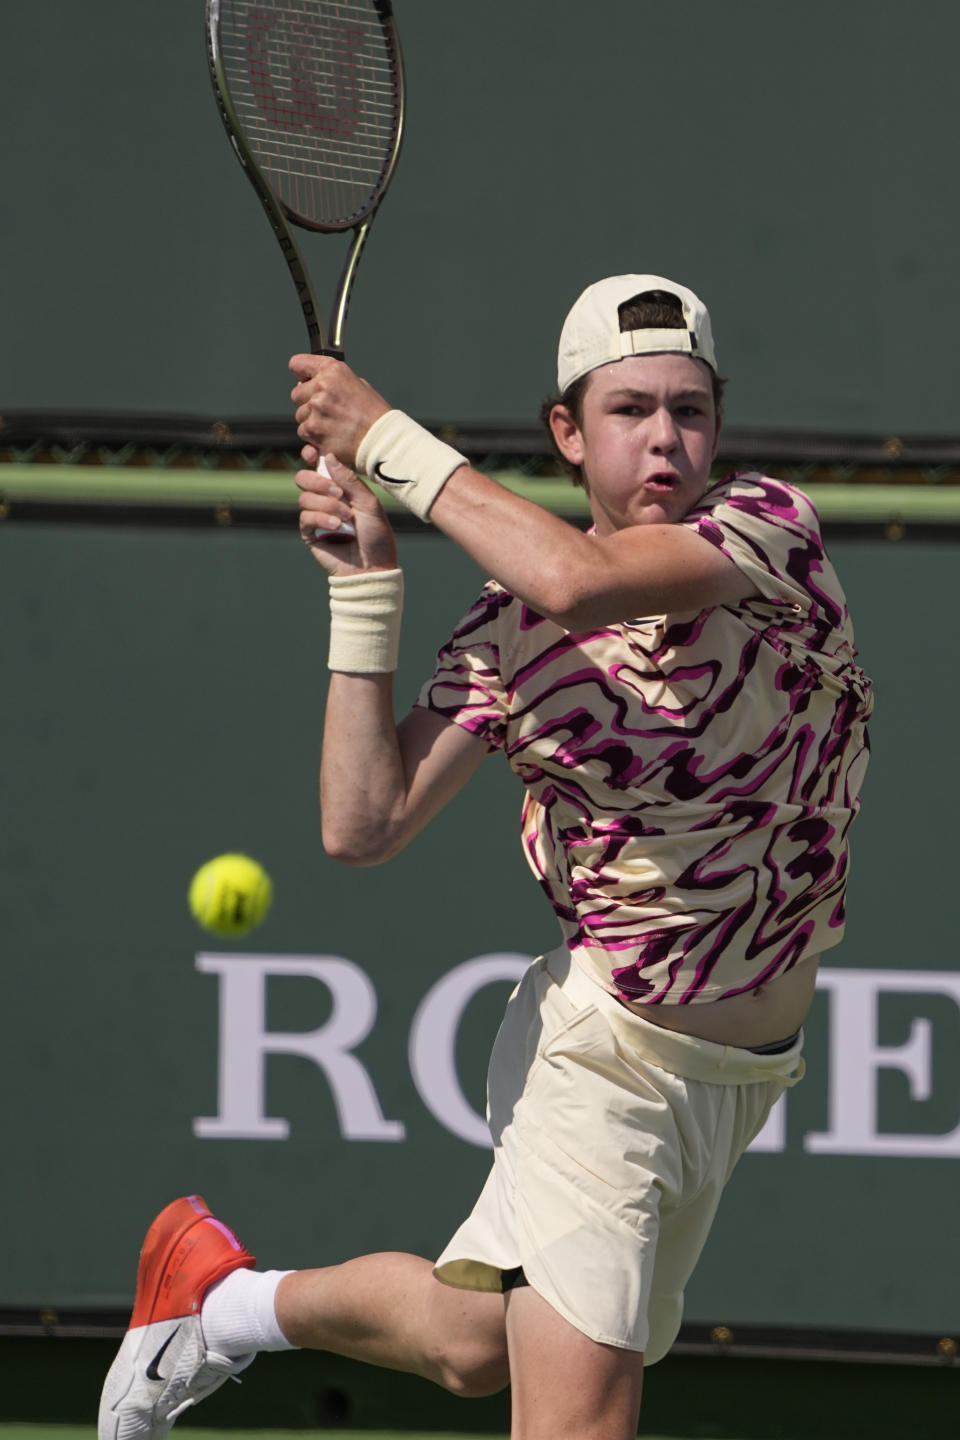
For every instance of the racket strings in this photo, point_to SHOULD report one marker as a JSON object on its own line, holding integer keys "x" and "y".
{"x": 316, "y": 92}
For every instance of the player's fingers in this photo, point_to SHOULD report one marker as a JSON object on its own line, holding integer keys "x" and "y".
{"x": 354, "y": 489}
{"x": 317, "y": 481}
{"x": 323, "y": 499}
{"x": 313, "y": 521}
{"x": 321, "y": 528}
{"x": 317, "y": 373}
{"x": 311, "y": 414}
{"x": 306, "y": 366}
{"x": 320, "y": 477}
{"x": 346, "y": 478}
{"x": 316, "y": 425}
{"x": 327, "y": 540}
{"x": 335, "y": 509}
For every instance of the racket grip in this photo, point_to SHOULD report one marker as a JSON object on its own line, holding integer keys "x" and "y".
{"x": 346, "y": 531}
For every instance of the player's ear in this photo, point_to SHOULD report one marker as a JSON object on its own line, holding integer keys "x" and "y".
{"x": 566, "y": 434}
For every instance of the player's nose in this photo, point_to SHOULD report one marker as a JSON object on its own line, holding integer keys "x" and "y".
{"x": 663, "y": 430}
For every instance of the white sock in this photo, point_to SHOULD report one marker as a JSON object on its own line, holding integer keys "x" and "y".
{"x": 238, "y": 1313}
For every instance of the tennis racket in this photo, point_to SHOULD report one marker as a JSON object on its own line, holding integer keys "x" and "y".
{"x": 311, "y": 93}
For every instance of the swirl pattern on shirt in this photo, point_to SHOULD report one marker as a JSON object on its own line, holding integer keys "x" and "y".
{"x": 691, "y": 778}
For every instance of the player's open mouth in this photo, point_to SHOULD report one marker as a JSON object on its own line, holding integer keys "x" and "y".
{"x": 663, "y": 483}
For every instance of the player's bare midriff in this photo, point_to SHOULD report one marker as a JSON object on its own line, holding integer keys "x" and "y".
{"x": 762, "y": 1016}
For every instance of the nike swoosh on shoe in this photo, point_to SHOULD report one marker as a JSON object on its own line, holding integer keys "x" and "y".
{"x": 153, "y": 1372}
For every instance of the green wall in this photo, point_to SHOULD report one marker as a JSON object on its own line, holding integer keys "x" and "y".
{"x": 162, "y": 701}
{"x": 793, "y": 163}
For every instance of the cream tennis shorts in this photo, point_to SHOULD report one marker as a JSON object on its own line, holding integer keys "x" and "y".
{"x": 613, "y": 1141}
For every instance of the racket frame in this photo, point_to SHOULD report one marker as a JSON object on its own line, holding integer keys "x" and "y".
{"x": 329, "y": 341}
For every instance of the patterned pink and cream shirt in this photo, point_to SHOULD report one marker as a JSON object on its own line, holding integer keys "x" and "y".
{"x": 690, "y": 778}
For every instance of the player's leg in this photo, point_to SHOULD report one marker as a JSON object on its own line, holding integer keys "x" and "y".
{"x": 389, "y": 1310}
{"x": 565, "y": 1386}
{"x": 202, "y": 1312}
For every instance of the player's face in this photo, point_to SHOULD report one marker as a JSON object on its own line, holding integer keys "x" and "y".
{"x": 647, "y": 439}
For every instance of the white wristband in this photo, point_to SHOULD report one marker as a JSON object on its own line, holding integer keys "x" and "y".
{"x": 409, "y": 462}
{"x": 365, "y": 613}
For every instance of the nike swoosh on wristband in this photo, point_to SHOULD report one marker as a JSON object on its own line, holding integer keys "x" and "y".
{"x": 152, "y": 1371}
{"x": 387, "y": 479}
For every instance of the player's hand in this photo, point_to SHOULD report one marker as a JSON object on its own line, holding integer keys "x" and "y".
{"x": 334, "y": 407}
{"x": 327, "y": 499}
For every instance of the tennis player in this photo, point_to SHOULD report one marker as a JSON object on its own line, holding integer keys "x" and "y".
{"x": 678, "y": 692}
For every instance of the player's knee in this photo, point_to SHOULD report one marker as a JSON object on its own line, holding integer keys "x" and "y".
{"x": 471, "y": 1369}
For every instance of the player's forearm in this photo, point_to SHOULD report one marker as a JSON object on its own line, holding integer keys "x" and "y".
{"x": 380, "y": 783}
{"x": 548, "y": 564}
{"x": 362, "y": 781}
{"x": 583, "y": 581}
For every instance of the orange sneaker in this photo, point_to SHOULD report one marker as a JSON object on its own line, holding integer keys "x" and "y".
{"x": 163, "y": 1366}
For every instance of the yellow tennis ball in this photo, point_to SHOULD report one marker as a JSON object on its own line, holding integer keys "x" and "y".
{"x": 230, "y": 894}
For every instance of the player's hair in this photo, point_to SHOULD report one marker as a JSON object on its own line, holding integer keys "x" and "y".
{"x": 653, "y": 310}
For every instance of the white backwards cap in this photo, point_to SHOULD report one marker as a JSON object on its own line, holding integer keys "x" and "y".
{"x": 591, "y": 333}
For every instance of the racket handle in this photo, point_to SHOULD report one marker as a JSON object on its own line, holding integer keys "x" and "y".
{"x": 346, "y": 531}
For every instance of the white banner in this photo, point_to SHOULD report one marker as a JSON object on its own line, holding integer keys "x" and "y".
{"x": 856, "y": 1055}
